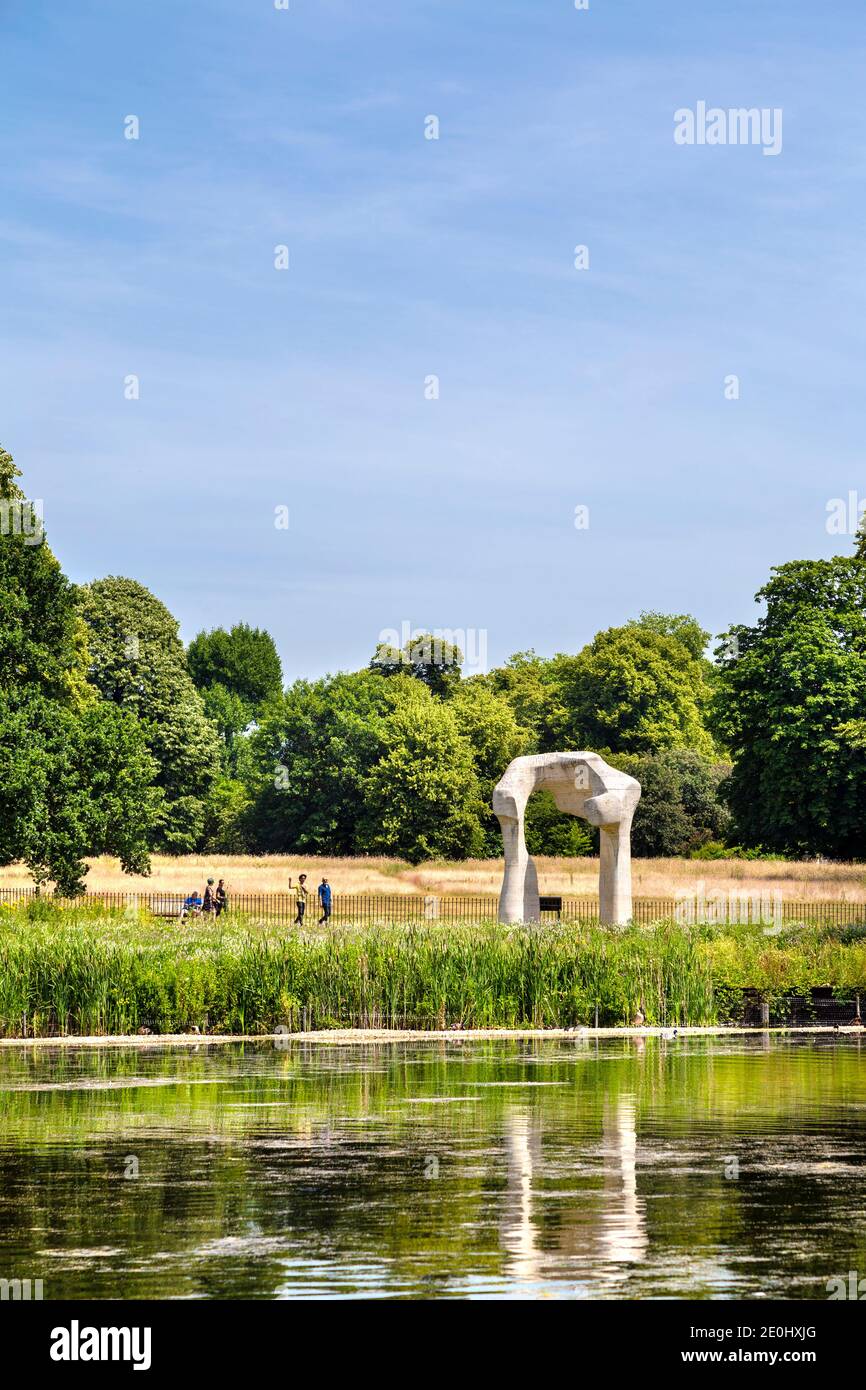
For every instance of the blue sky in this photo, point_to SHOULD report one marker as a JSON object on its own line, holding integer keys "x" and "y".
{"x": 411, "y": 257}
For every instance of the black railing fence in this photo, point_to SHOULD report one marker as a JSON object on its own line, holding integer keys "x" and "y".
{"x": 403, "y": 907}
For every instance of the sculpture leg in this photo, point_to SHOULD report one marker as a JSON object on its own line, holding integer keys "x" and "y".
{"x": 531, "y": 904}
{"x": 614, "y": 874}
{"x": 519, "y": 881}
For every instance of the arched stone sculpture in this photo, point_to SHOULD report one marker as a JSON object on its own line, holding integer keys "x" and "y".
{"x": 581, "y": 784}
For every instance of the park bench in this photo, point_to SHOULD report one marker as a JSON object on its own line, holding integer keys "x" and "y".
{"x": 550, "y": 905}
{"x": 166, "y": 907}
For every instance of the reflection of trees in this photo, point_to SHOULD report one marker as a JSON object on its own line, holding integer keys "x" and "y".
{"x": 318, "y": 1159}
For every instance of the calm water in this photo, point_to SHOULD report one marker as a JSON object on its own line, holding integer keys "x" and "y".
{"x": 726, "y": 1168}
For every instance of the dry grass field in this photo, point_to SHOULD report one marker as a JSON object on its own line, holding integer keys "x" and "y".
{"x": 652, "y": 878}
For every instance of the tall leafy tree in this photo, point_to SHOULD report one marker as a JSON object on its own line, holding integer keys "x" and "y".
{"x": 681, "y": 805}
{"x": 422, "y": 799}
{"x": 244, "y": 661}
{"x": 137, "y": 662}
{"x": 312, "y": 751}
{"x": 791, "y": 698}
{"x": 79, "y": 783}
{"x": 236, "y": 672}
{"x": 531, "y": 685}
{"x": 682, "y": 626}
{"x": 40, "y": 638}
{"x": 75, "y": 779}
{"x": 489, "y": 725}
{"x": 633, "y": 689}
{"x": 434, "y": 661}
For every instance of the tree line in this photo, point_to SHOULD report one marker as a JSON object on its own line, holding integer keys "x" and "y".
{"x": 116, "y": 739}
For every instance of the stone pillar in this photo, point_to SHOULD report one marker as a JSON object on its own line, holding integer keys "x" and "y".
{"x": 614, "y": 874}
{"x": 518, "y": 901}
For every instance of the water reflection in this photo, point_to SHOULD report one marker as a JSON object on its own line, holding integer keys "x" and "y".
{"x": 523, "y": 1146}
{"x": 623, "y": 1231}
{"x": 617, "y": 1235}
{"x": 566, "y": 1169}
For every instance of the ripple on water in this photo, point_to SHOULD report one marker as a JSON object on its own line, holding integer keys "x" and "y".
{"x": 473, "y": 1169}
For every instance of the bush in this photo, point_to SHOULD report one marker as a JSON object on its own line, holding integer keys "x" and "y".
{"x": 681, "y": 806}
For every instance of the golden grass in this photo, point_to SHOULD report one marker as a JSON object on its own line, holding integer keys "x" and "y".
{"x": 652, "y": 878}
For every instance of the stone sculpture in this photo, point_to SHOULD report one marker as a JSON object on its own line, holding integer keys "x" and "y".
{"x": 582, "y": 784}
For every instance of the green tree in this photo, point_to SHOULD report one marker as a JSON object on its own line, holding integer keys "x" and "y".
{"x": 550, "y": 831}
{"x": 489, "y": 725}
{"x": 791, "y": 696}
{"x": 682, "y": 626}
{"x": 75, "y": 778}
{"x": 40, "y": 638}
{"x": 79, "y": 783}
{"x": 243, "y": 661}
{"x": 422, "y": 800}
{"x": 681, "y": 805}
{"x": 531, "y": 685}
{"x": 312, "y": 751}
{"x": 137, "y": 662}
{"x": 237, "y": 672}
{"x": 231, "y": 716}
{"x": 634, "y": 690}
{"x": 432, "y": 660}
{"x": 226, "y": 817}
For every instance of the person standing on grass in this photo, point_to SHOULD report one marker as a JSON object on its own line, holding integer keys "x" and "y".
{"x": 221, "y": 897}
{"x": 301, "y": 895}
{"x": 325, "y": 900}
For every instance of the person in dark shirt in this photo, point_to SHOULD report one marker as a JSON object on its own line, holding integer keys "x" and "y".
{"x": 325, "y": 900}
{"x": 209, "y": 904}
{"x": 221, "y": 897}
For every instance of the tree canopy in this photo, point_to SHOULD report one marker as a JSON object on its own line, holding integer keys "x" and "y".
{"x": 244, "y": 661}
{"x": 75, "y": 777}
{"x": 790, "y": 700}
{"x": 633, "y": 689}
{"x": 115, "y": 739}
{"x": 138, "y": 663}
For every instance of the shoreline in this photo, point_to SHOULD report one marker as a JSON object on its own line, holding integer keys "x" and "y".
{"x": 348, "y": 1037}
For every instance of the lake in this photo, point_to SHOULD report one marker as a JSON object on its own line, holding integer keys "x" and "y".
{"x": 709, "y": 1167}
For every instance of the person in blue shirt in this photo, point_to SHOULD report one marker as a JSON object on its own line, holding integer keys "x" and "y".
{"x": 324, "y": 900}
{"x": 192, "y": 906}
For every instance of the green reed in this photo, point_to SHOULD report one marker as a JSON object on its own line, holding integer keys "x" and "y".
{"x": 90, "y": 971}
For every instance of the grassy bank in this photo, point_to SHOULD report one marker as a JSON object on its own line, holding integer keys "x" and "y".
{"x": 86, "y": 972}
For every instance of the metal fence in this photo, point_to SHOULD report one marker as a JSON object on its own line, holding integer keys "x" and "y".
{"x": 406, "y": 908}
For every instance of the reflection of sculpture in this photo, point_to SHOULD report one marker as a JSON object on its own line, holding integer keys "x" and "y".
{"x": 581, "y": 784}
{"x": 606, "y": 1229}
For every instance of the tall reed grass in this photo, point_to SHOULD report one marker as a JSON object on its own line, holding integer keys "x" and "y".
{"x": 92, "y": 972}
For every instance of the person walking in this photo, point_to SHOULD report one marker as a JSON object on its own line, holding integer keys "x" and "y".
{"x": 221, "y": 898}
{"x": 325, "y": 900}
{"x": 301, "y": 895}
{"x": 209, "y": 904}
